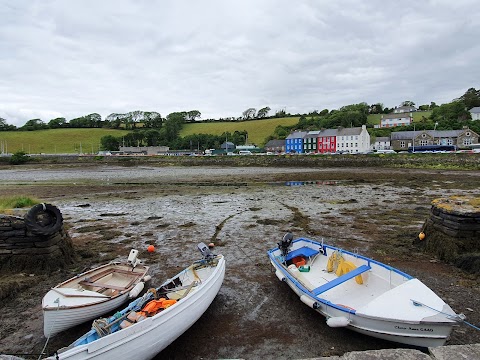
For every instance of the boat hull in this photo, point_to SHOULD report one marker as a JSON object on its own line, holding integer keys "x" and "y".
{"x": 426, "y": 332}
{"x": 144, "y": 340}
{"x": 55, "y": 321}
{"x": 75, "y": 301}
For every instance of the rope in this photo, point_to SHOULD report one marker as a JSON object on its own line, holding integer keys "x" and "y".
{"x": 459, "y": 318}
{"x": 101, "y": 327}
{"x": 50, "y": 332}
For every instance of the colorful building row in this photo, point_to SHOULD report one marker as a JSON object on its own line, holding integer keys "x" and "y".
{"x": 346, "y": 140}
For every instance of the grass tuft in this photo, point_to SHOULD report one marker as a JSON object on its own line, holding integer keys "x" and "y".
{"x": 15, "y": 202}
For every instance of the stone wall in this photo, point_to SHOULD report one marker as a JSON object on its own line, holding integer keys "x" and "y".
{"x": 22, "y": 250}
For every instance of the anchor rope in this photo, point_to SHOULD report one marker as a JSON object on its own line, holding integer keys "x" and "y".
{"x": 459, "y": 318}
{"x": 50, "y": 331}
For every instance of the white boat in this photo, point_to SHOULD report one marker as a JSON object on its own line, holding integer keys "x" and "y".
{"x": 138, "y": 331}
{"x": 92, "y": 294}
{"x": 362, "y": 294}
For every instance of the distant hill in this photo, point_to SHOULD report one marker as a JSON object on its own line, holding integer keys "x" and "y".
{"x": 87, "y": 140}
{"x": 56, "y": 141}
{"x": 257, "y": 130}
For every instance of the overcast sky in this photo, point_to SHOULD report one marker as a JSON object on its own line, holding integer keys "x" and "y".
{"x": 72, "y": 58}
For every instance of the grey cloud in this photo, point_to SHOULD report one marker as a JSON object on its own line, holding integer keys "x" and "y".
{"x": 72, "y": 58}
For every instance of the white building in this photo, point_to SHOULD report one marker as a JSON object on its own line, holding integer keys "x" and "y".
{"x": 394, "y": 120}
{"x": 475, "y": 112}
{"x": 381, "y": 143}
{"x": 353, "y": 140}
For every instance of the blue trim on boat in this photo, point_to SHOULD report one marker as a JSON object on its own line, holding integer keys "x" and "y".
{"x": 324, "y": 252}
{"x": 409, "y": 277}
{"x": 303, "y": 251}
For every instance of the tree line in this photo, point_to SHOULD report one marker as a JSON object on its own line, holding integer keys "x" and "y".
{"x": 151, "y": 129}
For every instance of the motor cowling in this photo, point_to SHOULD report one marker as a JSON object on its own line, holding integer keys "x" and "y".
{"x": 285, "y": 244}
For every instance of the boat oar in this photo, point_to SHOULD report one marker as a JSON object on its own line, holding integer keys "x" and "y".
{"x": 456, "y": 317}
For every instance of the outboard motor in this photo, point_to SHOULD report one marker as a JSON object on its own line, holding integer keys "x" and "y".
{"x": 132, "y": 258}
{"x": 205, "y": 251}
{"x": 285, "y": 244}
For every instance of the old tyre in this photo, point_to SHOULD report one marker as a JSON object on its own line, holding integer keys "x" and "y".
{"x": 44, "y": 219}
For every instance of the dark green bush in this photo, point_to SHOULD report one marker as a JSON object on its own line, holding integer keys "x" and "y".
{"x": 19, "y": 158}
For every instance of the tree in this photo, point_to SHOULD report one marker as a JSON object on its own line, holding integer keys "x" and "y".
{"x": 152, "y": 120}
{"x": 408, "y": 103}
{"x": 4, "y": 126}
{"x": 249, "y": 113}
{"x": 57, "y": 123}
{"x": 93, "y": 120}
{"x": 193, "y": 114}
{"x": 109, "y": 143}
{"x": 376, "y": 108}
{"x": 453, "y": 112}
{"x": 263, "y": 112}
{"x": 34, "y": 124}
{"x": 471, "y": 98}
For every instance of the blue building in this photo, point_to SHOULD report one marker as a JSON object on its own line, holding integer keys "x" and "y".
{"x": 294, "y": 142}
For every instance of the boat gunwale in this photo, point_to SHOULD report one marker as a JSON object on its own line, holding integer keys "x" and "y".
{"x": 309, "y": 293}
{"x": 76, "y": 349}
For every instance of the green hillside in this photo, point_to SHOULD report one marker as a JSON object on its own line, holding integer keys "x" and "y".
{"x": 374, "y": 119}
{"x": 257, "y": 130}
{"x": 87, "y": 141}
{"x": 55, "y": 141}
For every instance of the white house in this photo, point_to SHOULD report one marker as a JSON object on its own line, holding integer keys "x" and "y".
{"x": 475, "y": 112}
{"x": 404, "y": 109}
{"x": 394, "y": 120}
{"x": 381, "y": 143}
{"x": 353, "y": 140}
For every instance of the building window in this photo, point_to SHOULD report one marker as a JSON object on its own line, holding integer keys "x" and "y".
{"x": 402, "y": 144}
{"x": 467, "y": 141}
{"x": 423, "y": 142}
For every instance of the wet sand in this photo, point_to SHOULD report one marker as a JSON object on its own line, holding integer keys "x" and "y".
{"x": 245, "y": 211}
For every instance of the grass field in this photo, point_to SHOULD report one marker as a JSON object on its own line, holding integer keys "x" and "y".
{"x": 55, "y": 141}
{"x": 257, "y": 130}
{"x": 374, "y": 119}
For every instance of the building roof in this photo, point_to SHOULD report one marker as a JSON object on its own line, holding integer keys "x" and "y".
{"x": 312, "y": 134}
{"x": 405, "y": 109}
{"x": 475, "y": 110}
{"x": 401, "y": 135}
{"x": 275, "y": 143}
{"x": 328, "y": 132}
{"x": 382, "y": 139}
{"x": 297, "y": 135}
{"x": 228, "y": 144}
{"x": 349, "y": 131}
{"x": 396, "y": 116}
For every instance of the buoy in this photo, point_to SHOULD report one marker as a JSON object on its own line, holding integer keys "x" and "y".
{"x": 338, "y": 321}
{"x": 136, "y": 290}
{"x": 151, "y": 248}
{"x": 421, "y": 236}
{"x": 280, "y": 275}
{"x": 309, "y": 302}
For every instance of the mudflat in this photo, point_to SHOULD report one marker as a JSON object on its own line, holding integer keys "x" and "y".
{"x": 243, "y": 210}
